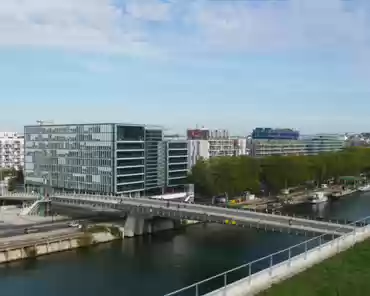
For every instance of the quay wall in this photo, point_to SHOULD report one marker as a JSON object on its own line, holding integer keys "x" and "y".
{"x": 19, "y": 250}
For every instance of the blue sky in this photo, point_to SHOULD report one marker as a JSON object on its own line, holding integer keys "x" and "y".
{"x": 233, "y": 64}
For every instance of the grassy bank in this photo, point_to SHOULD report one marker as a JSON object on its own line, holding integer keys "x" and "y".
{"x": 346, "y": 274}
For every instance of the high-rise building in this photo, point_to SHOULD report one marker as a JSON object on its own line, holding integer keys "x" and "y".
{"x": 108, "y": 158}
{"x": 11, "y": 150}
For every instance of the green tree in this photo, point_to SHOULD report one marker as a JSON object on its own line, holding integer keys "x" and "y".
{"x": 234, "y": 175}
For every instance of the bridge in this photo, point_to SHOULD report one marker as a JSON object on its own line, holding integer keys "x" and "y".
{"x": 145, "y": 208}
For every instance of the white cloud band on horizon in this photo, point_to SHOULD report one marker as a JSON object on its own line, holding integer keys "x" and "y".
{"x": 149, "y": 26}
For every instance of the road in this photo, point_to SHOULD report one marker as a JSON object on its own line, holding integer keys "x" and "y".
{"x": 27, "y": 239}
{"x": 198, "y": 212}
{"x": 8, "y": 230}
{"x": 19, "y": 229}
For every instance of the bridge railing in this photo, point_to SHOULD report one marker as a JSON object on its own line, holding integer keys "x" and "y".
{"x": 84, "y": 195}
{"x": 249, "y": 270}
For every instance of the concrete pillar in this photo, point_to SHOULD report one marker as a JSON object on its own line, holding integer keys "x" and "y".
{"x": 134, "y": 226}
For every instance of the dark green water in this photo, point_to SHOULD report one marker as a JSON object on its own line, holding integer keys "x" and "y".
{"x": 158, "y": 264}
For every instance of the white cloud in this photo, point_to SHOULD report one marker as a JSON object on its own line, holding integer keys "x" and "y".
{"x": 286, "y": 24}
{"x": 149, "y": 10}
{"x": 93, "y": 25}
{"x": 185, "y": 25}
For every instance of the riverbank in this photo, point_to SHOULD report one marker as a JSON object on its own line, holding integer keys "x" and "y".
{"x": 273, "y": 204}
{"x": 344, "y": 274}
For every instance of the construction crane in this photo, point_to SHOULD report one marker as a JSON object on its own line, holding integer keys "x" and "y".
{"x": 43, "y": 122}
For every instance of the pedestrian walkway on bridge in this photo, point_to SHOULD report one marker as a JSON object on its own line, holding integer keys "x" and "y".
{"x": 205, "y": 213}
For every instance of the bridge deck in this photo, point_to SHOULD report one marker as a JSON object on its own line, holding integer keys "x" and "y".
{"x": 198, "y": 212}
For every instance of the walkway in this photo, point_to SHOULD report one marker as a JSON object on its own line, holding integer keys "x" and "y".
{"x": 206, "y": 213}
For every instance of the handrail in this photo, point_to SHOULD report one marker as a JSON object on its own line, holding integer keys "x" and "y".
{"x": 249, "y": 264}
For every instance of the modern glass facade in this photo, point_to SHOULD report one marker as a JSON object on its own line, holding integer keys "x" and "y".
{"x": 70, "y": 157}
{"x": 154, "y": 159}
{"x": 324, "y": 143}
{"x": 274, "y": 134}
{"x": 177, "y": 162}
{"x": 130, "y": 159}
{"x": 102, "y": 158}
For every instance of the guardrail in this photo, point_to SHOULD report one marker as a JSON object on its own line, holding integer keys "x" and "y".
{"x": 35, "y": 242}
{"x": 122, "y": 197}
{"x": 248, "y": 271}
{"x": 113, "y": 202}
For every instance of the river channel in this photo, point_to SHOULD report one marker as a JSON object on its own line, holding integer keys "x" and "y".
{"x": 163, "y": 262}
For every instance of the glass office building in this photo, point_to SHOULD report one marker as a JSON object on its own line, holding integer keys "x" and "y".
{"x": 107, "y": 158}
{"x": 324, "y": 143}
{"x": 177, "y": 167}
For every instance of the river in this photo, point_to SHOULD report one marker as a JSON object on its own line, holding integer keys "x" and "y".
{"x": 160, "y": 263}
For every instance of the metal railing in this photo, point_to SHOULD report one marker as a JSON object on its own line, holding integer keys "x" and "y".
{"x": 141, "y": 201}
{"x": 248, "y": 270}
{"x": 114, "y": 198}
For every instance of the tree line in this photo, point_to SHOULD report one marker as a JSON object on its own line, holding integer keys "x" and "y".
{"x": 235, "y": 175}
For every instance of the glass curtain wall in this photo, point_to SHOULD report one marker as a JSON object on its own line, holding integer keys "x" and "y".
{"x": 70, "y": 157}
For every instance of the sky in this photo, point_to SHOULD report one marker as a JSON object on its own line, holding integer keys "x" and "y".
{"x": 234, "y": 64}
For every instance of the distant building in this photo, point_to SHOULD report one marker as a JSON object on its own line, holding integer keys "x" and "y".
{"x": 308, "y": 145}
{"x": 262, "y": 148}
{"x": 324, "y": 143}
{"x": 274, "y": 134}
{"x": 205, "y": 143}
{"x": 11, "y": 150}
{"x": 111, "y": 158}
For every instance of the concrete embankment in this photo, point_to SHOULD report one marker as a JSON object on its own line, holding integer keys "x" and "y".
{"x": 33, "y": 245}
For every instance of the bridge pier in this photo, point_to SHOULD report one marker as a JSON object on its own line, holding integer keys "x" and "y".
{"x": 139, "y": 225}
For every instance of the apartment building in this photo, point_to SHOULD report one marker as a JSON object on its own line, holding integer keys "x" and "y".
{"x": 111, "y": 158}
{"x": 262, "y": 148}
{"x": 205, "y": 143}
{"x": 11, "y": 150}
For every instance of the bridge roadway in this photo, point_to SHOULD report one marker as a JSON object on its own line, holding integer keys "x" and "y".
{"x": 177, "y": 210}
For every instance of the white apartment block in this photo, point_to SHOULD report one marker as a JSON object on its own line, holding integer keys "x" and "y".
{"x": 11, "y": 150}
{"x": 204, "y": 143}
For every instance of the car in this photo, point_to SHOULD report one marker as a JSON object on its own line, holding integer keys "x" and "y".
{"x": 75, "y": 224}
{"x": 30, "y": 230}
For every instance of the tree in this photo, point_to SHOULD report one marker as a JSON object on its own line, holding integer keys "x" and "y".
{"x": 234, "y": 175}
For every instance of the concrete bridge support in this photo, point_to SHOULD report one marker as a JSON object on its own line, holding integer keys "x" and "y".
{"x": 139, "y": 225}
